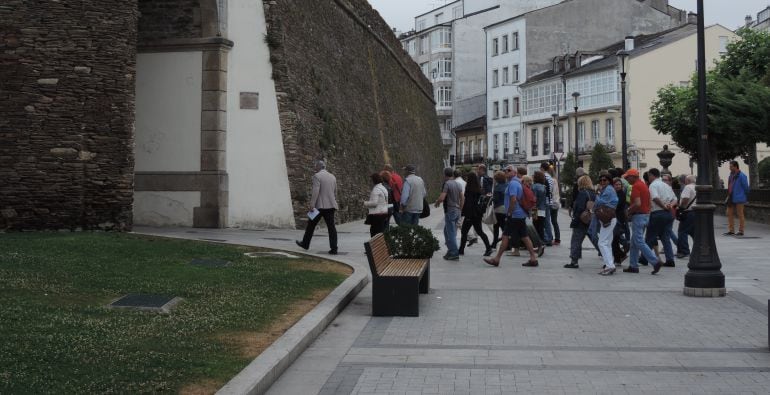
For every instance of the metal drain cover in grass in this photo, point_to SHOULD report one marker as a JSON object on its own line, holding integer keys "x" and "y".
{"x": 210, "y": 262}
{"x": 146, "y": 302}
{"x": 270, "y": 254}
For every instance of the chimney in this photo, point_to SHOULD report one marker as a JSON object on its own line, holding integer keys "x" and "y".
{"x": 629, "y": 44}
{"x": 692, "y": 18}
{"x": 749, "y": 20}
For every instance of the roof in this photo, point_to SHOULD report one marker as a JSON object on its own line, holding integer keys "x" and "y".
{"x": 436, "y": 9}
{"x": 521, "y": 15}
{"x": 478, "y": 123}
{"x": 643, "y": 43}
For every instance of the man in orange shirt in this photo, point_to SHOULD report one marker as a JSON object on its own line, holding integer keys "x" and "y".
{"x": 639, "y": 217}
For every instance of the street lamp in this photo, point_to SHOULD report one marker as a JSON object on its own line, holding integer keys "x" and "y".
{"x": 575, "y": 98}
{"x": 622, "y": 55}
{"x": 555, "y": 122}
{"x": 704, "y": 277}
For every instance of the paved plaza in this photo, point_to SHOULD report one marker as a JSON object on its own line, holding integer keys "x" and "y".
{"x": 486, "y": 330}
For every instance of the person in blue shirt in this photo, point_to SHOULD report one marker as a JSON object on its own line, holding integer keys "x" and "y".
{"x": 605, "y": 205}
{"x": 737, "y": 197}
{"x": 515, "y": 223}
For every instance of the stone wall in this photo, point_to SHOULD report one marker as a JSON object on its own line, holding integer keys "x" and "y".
{"x": 169, "y": 19}
{"x": 349, "y": 94}
{"x": 66, "y": 113}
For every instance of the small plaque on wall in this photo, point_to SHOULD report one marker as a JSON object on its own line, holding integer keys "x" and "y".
{"x": 249, "y": 101}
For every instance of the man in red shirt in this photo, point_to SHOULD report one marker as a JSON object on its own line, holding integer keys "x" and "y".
{"x": 639, "y": 217}
{"x": 396, "y": 184}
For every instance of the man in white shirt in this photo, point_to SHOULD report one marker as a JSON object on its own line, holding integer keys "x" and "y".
{"x": 661, "y": 219}
{"x": 686, "y": 218}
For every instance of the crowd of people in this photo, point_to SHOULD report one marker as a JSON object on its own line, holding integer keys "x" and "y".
{"x": 625, "y": 215}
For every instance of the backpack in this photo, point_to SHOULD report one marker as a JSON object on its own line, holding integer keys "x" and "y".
{"x": 528, "y": 200}
{"x": 481, "y": 204}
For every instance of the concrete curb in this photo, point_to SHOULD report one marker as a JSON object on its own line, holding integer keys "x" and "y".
{"x": 262, "y": 372}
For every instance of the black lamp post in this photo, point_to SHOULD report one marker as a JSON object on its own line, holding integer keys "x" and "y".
{"x": 575, "y": 98}
{"x": 555, "y": 122}
{"x": 622, "y": 55}
{"x": 705, "y": 276}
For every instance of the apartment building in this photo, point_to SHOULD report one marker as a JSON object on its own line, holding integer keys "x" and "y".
{"x": 763, "y": 20}
{"x": 653, "y": 62}
{"x": 524, "y": 45}
{"x": 448, "y": 44}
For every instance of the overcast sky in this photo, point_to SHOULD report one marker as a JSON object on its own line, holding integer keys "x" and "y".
{"x": 729, "y": 13}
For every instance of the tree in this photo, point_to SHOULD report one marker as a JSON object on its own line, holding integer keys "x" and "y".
{"x": 737, "y": 116}
{"x": 600, "y": 160}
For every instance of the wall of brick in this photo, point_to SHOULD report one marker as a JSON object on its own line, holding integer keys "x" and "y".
{"x": 66, "y": 113}
{"x": 349, "y": 98}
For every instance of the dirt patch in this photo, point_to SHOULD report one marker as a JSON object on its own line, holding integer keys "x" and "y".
{"x": 322, "y": 266}
{"x": 251, "y": 344}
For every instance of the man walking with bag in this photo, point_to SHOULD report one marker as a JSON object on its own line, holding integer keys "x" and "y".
{"x": 324, "y": 200}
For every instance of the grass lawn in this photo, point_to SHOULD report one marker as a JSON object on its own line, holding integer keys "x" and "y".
{"x": 57, "y": 336}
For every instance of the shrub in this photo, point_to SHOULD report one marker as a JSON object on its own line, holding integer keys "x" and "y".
{"x": 407, "y": 241}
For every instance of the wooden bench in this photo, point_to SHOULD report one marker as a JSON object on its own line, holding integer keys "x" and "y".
{"x": 396, "y": 283}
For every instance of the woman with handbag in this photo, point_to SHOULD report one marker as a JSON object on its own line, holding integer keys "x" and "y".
{"x": 378, "y": 206}
{"x": 605, "y": 207}
{"x": 498, "y": 201}
{"x": 581, "y": 218}
{"x": 620, "y": 216}
{"x": 473, "y": 212}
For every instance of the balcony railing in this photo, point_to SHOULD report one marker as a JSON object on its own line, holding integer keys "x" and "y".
{"x": 587, "y": 149}
{"x": 470, "y": 159}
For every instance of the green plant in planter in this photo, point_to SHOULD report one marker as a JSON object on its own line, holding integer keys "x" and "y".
{"x": 413, "y": 242}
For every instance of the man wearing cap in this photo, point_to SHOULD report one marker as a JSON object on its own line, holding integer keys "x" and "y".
{"x": 412, "y": 196}
{"x": 324, "y": 199}
{"x": 639, "y": 217}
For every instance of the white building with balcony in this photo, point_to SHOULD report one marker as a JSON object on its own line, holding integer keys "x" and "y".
{"x": 448, "y": 44}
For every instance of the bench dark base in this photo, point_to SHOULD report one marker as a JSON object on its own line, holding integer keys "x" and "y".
{"x": 399, "y": 296}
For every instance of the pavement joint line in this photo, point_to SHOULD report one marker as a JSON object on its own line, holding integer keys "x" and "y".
{"x": 644, "y": 368}
{"x": 758, "y": 350}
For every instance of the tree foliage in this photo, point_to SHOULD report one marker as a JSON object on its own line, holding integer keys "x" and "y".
{"x": 764, "y": 171}
{"x": 567, "y": 175}
{"x": 750, "y": 54}
{"x": 600, "y": 160}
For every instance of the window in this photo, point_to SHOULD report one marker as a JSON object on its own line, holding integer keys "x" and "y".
{"x": 515, "y": 73}
{"x": 480, "y": 144}
{"x": 505, "y": 43}
{"x": 559, "y": 139}
{"x": 506, "y": 113}
{"x": 594, "y": 133}
{"x": 723, "y": 44}
{"x": 438, "y": 17}
{"x": 472, "y": 150}
{"x": 505, "y": 143}
{"x": 516, "y": 106}
{"x": 462, "y": 151}
{"x": 424, "y": 44}
{"x": 444, "y": 96}
{"x": 581, "y": 131}
{"x": 534, "y": 142}
{"x": 514, "y": 41}
{"x": 543, "y": 99}
{"x": 495, "y": 143}
{"x": 495, "y": 79}
{"x": 494, "y": 47}
{"x": 546, "y": 141}
{"x": 495, "y": 110}
{"x": 448, "y": 124}
{"x": 457, "y": 12}
{"x": 610, "y": 126}
{"x": 515, "y": 143}
{"x": 441, "y": 38}
{"x": 505, "y": 76}
{"x": 599, "y": 89}
{"x": 443, "y": 68}
{"x": 420, "y": 25}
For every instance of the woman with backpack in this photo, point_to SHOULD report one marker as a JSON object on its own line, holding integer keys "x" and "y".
{"x": 473, "y": 211}
{"x": 581, "y": 218}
